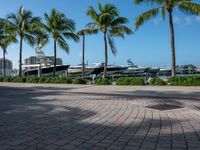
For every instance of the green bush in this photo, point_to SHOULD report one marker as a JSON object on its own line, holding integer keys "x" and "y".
{"x": 1, "y": 79}
{"x": 19, "y": 79}
{"x": 42, "y": 80}
{"x": 79, "y": 81}
{"x": 33, "y": 80}
{"x": 102, "y": 81}
{"x": 66, "y": 80}
{"x": 130, "y": 81}
{"x": 48, "y": 80}
{"x": 157, "y": 81}
{"x": 185, "y": 81}
{"x": 8, "y": 79}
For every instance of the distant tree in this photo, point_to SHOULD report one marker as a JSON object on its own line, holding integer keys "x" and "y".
{"x": 163, "y": 6}
{"x": 107, "y": 21}
{"x": 59, "y": 28}
{"x": 83, "y": 33}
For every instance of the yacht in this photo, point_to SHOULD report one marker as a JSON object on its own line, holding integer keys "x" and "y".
{"x": 93, "y": 69}
{"x": 44, "y": 71}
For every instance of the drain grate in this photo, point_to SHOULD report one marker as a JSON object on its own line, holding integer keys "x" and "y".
{"x": 163, "y": 107}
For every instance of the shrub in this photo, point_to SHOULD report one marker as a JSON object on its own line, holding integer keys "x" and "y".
{"x": 102, "y": 81}
{"x": 157, "y": 81}
{"x": 33, "y": 79}
{"x": 19, "y": 79}
{"x": 49, "y": 80}
{"x": 79, "y": 81}
{"x": 130, "y": 81}
{"x": 8, "y": 79}
{"x": 66, "y": 80}
{"x": 42, "y": 80}
{"x": 1, "y": 79}
{"x": 185, "y": 81}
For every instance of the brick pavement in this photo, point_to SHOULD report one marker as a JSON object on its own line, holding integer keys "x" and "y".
{"x": 65, "y": 117}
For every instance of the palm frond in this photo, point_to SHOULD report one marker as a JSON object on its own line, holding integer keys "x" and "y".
{"x": 70, "y": 35}
{"x": 120, "y": 31}
{"x": 163, "y": 11}
{"x": 119, "y": 21}
{"x": 112, "y": 44}
{"x": 145, "y": 17}
{"x": 29, "y": 39}
{"x": 92, "y": 13}
{"x": 87, "y": 31}
{"x": 189, "y": 7}
{"x": 149, "y": 2}
{"x": 63, "y": 44}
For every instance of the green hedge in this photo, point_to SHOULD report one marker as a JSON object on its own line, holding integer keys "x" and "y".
{"x": 79, "y": 81}
{"x": 37, "y": 79}
{"x": 1, "y": 79}
{"x": 130, "y": 81}
{"x": 102, "y": 81}
{"x": 185, "y": 81}
{"x": 19, "y": 80}
{"x": 157, "y": 81}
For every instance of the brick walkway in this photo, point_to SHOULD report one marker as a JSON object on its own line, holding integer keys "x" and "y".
{"x": 68, "y": 117}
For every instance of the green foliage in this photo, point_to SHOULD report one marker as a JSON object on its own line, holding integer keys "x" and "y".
{"x": 33, "y": 80}
{"x": 107, "y": 20}
{"x": 157, "y": 81}
{"x": 42, "y": 80}
{"x": 131, "y": 81}
{"x": 19, "y": 79}
{"x": 8, "y": 79}
{"x": 61, "y": 27}
{"x": 185, "y": 81}
{"x": 1, "y": 79}
{"x": 102, "y": 81}
{"x": 79, "y": 81}
{"x": 66, "y": 80}
{"x": 188, "y": 7}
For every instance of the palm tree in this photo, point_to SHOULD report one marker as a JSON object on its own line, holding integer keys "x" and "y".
{"x": 83, "y": 33}
{"x": 60, "y": 27}
{"x": 163, "y": 6}
{"x": 5, "y": 41}
{"x": 24, "y": 25}
{"x": 107, "y": 21}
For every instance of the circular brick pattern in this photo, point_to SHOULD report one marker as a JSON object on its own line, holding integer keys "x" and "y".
{"x": 42, "y": 117}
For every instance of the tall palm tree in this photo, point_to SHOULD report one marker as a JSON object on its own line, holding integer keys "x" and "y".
{"x": 163, "y": 6}
{"x": 5, "y": 41}
{"x": 24, "y": 25}
{"x": 83, "y": 33}
{"x": 60, "y": 27}
{"x": 107, "y": 21}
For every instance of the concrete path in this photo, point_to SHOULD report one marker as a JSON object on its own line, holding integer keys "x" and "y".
{"x": 64, "y": 117}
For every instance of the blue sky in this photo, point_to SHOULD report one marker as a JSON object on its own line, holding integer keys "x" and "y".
{"x": 149, "y": 46}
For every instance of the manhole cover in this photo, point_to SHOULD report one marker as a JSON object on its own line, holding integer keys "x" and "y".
{"x": 164, "y": 107}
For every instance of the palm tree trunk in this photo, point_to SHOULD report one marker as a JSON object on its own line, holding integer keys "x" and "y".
{"x": 4, "y": 62}
{"x": 172, "y": 44}
{"x": 54, "y": 69}
{"x": 20, "y": 57}
{"x": 83, "y": 57}
{"x": 106, "y": 56}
